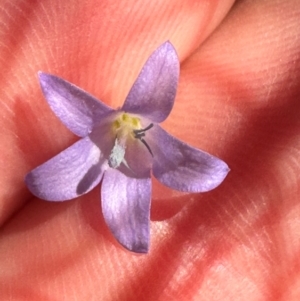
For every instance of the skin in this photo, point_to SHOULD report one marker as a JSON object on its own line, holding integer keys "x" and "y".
{"x": 238, "y": 98}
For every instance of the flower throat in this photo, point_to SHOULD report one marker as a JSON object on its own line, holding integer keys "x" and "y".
{"x": 126, "y": 127}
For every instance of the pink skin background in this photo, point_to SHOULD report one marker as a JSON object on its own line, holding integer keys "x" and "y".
{"x": 238, "y": 98}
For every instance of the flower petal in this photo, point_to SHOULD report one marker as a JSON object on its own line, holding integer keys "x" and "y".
{"x": 73, "y": 172}
{"x": 153, "y": 93}
{"x": 78, "y": 110}
{"x": 183, "y": 167}
{"x": 126, "y": 209}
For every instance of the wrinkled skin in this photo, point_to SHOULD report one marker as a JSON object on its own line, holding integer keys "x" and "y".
{"x": 238, "y": 98}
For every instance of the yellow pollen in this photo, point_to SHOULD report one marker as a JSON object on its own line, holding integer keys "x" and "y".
{"x": 125, "y": 124}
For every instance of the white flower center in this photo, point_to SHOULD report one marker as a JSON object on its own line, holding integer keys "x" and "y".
{"x": 126, "y": 127}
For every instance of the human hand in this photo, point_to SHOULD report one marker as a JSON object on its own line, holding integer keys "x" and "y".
{"x": 237, "y": 99}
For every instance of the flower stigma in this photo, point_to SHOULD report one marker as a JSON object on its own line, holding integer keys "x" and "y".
{"x": 124, "y": 127}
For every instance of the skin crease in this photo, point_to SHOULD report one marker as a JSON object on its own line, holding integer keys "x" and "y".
{"x": 238, "y": 98}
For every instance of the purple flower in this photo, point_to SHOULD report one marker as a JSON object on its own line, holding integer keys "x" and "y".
{"x": 122, "y": 147}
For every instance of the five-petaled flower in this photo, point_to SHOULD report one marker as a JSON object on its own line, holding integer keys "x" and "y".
{"x": 122, "y": 147}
